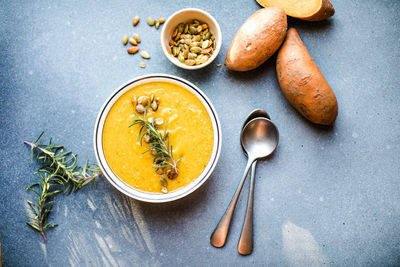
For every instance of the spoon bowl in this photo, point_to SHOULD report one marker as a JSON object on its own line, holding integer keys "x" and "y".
{"x": 259, "y": 138}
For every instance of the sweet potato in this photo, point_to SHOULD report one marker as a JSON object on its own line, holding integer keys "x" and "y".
{"x": 258, "y": 38}
{"x": 312, "y": 10}
{"x": 302, "y": 82}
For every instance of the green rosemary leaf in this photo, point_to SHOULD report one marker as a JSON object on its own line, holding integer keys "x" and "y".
{"x": 58, "y": 173}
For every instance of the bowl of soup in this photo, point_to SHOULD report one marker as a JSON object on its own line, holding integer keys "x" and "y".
{"x": 157, "y": 138}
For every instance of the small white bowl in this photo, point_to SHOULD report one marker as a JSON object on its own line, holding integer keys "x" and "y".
{"x": 184, "y": 16}
{"x": 130, "y": 190}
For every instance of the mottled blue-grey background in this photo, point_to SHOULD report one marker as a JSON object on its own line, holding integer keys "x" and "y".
{"x": 328, "y": 196}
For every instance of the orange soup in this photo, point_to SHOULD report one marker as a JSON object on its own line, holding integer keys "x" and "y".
{"x": 189, "y": 129}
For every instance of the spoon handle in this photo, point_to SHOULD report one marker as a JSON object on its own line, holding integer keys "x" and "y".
{"x": 218, "y": 237}
{"x": 245, "y": 245}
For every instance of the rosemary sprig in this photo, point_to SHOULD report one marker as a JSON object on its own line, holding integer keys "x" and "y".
{"x": 160, "y": 146}
{"x": 59, "y": 172}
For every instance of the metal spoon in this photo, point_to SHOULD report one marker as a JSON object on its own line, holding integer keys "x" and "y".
{"x": 245, "y": 245}
{"x": 259, "y": 139}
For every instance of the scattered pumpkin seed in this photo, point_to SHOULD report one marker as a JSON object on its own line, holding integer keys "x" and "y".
{"x": 150, "y": 21}
{"x": 145, "y": 54}
{"x": 142, "y": 64}
{"x": 125, "y": 39}
{"x": 135, "y": 20}
{"x": 157, "y": 24}
{"x": 136, "y": 37}
{"x": 161, "y": 21}
{"x": 219, "y": 65}
{"x": 133, "y": 49}
{"x": 132, "y": 41}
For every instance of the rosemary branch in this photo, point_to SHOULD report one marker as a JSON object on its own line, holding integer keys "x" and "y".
{"x": 59, "y": 170}
{"x": 160, "y": 146}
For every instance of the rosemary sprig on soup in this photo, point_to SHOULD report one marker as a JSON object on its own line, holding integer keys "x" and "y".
{"x": 160, "y": 146}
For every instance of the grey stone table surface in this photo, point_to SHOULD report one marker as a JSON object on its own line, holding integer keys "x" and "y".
{"x": 328, "y": 196}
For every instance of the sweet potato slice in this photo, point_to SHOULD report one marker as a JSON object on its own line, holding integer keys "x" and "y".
{"x": 312, "y": 10}
{"x": 302, "y": 82}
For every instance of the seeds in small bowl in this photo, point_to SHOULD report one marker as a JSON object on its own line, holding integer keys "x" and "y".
{"x": 192, "y": 43}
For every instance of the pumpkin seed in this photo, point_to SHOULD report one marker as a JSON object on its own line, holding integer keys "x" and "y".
{"x": 150, "y": 21}
{"x": 197, "y": 61}
{"x": 181, "y": 57}
{"x": 190, "y": 62}
{"x": 134, "y": 101}
{"x": 219, "y": 65}
{"x": 154, "y": 105}
{"x": 199, "y": 28}
{"x": 195, "y": 50}
{"x": 203, "y": 59}
{"x": 175, "y": 33}
{"x": 145, "y": 54}
{"x": 157, "y": 24}
{"x": 192, "y": 30}
{"x": 204, "y": 26}
{"x": 214, "y": 45}
{"x": 186, "y": 28}
{"x": 142, "y": 64}
{"x": 188, "y": 41}
{"x": 159, "y": 121}
{"x": 205, "y": 44}
{"x": 192, "y": 56}
{"x": 140, "y": 109}
{"x": 197, "y": 38}
{"x": 206, "y": 51}
{"x": 164, "y": 190}
{"x": 146, "y": 137}
{"x": 186, "y": 53}
{"x": 175, "y": 51}
{"x": 132, "y": 41}
{"x": 181, "y": 27}
{"x": 125, "y": 39}
{"x": 135, "y": 20}
{"x": 193, "y": 44}
{"x": 171, "y": 42}
{"x": 207, "y": 36}
{"x": 133, "y": 49}
{"x": 136, "y": 37}
{"x": 143, "y": 100}
{"x": 161, "y": 21}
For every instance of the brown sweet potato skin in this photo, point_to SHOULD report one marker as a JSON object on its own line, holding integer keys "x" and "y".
{"x": 258, "y": 39}
{"x": 302, "y": 82}
{"x": 324, "y": 12}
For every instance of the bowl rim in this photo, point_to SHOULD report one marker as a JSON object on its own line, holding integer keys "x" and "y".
{"x": 179, "y": 64}
{"x": 150, "y": 197}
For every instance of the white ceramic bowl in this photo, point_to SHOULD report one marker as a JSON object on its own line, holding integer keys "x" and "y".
{"x": 184, "y": 16}
{"x": 148, "y": 196}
